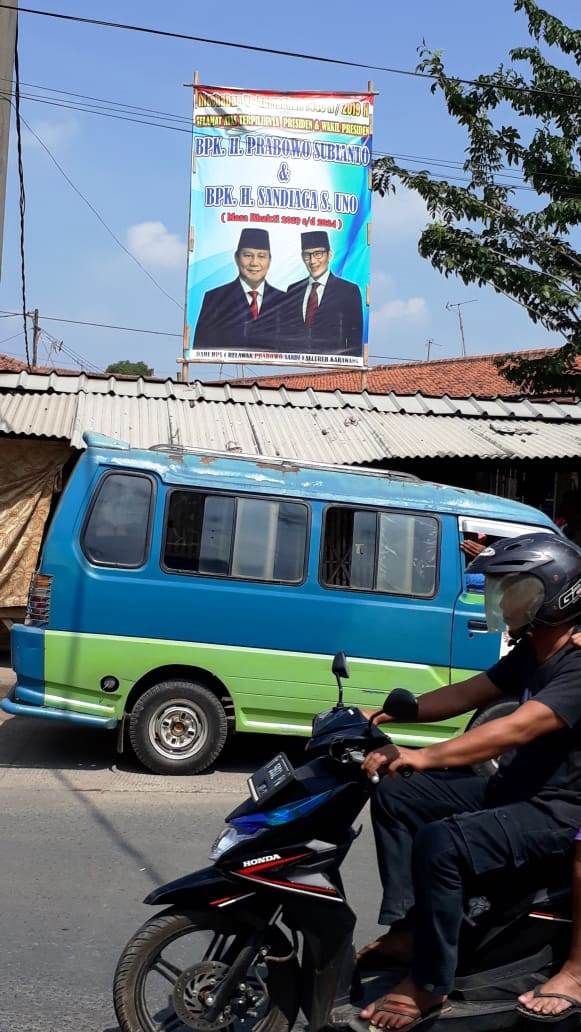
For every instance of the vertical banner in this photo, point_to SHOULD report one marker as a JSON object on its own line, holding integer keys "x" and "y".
{"x": 278, "y": 266}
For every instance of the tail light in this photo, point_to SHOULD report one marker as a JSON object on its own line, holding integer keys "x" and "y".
{"x": 38, "y": 609}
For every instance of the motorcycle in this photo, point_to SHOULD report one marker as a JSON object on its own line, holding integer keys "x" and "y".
{"x": 267, "y": 931}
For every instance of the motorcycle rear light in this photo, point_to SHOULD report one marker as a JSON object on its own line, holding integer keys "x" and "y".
{"x": 38, "y": 608}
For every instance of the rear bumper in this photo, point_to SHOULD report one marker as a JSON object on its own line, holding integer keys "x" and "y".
{"x": 22, "y": 709}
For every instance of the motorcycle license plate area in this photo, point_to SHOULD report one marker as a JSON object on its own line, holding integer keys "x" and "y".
{"x": 270, "y": 779}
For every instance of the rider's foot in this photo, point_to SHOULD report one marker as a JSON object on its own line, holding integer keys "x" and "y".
{"x": 394, "y": 947}
{"x": 567, "y": 982}
{"x": 403, "y": 1007}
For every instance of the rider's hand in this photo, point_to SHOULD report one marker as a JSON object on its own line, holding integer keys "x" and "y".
{"x": 416, "y": 758}
{"x": 379, "y": 718}
{"x": 390, "y": 758}
{"x": 377, "y": 761}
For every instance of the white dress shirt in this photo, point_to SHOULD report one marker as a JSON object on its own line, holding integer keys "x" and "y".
{"x": 259, "y": 292}
{"x": 322, "y": 281}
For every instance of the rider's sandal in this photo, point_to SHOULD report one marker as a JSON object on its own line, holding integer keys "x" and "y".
{"x": 404, "y": 1010}
{"x": 551, "y": 1019}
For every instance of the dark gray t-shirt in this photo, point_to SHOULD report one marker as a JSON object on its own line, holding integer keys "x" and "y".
{"x": 548, "y": 769}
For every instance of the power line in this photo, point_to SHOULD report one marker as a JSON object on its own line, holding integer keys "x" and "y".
{"x": 516, "y": 185}
{"x": 125, "y": 106}
{"x": 253, "y": 48}
{"x": 97, "y": 214}
{"x": 22, "y": 194}
{"x": 13, "y": 337}
{"x": 101, "y": 326}
{"x": 516, "y": 181}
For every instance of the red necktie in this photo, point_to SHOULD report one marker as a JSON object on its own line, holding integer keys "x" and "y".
{"x": 312, "y": 305}
{"x": 254, "y": 313}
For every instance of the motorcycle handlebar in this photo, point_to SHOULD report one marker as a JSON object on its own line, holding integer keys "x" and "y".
{"x": 357, "y": 756}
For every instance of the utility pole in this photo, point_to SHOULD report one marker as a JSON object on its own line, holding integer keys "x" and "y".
{"x": 35, "y": 338}
{"x": 7, "y": 49}
{"x": 458, "y": 305}
{"x": 431, "y": 343}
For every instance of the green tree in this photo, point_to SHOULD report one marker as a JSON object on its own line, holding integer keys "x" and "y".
{"x": 128, "y": 368}
{"x": 477, "y": 232}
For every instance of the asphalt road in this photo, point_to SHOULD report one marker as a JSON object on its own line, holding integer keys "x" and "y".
{"x": 83, "y": 839}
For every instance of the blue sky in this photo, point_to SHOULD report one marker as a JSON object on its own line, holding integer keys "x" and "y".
{"x": 137, "y": 176}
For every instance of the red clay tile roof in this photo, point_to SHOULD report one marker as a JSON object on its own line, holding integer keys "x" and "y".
{"x": 17, "y": 365}
{"x": 456, "y": 377}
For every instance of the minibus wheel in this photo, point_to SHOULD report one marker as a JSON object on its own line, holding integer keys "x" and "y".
{"x": 177, "y": 727}
{"x": 483, "y": 716}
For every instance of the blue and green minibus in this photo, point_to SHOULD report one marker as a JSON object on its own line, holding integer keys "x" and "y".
{"x": 185, "y": 594}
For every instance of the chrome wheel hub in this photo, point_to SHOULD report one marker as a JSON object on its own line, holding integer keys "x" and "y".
{"x": 178, "y": 729}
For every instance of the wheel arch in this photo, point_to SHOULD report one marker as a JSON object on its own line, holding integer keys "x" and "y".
{"x": 183, "y": 672}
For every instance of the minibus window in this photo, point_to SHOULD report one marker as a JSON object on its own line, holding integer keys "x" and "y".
{"x": 198, "y": 536}
{"x": 117, "y": 529}
{"x": 250, "y": 538}
{"x": 269, "y": 541}
{"x": 392, "y": 552}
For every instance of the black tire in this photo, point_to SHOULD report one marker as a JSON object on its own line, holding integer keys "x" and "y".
{"x": 144, "y": 950}
{"x": 484, "y": 716}
{"x": 177, "y": 727}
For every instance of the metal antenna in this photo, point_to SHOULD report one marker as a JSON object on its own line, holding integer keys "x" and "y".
{"x": 458, "y": 305}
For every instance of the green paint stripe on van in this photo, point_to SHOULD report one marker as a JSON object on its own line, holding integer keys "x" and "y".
{"x": 273, "y": 691}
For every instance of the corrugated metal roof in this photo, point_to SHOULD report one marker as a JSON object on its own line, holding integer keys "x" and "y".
{"x": 281, "y": 397}
{"x": 318, "y": 426}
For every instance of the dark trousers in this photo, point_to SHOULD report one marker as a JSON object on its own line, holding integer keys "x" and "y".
{"x": 434, "y": 833}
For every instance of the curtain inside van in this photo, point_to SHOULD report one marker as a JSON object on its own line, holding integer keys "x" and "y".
{"x": 30, "y": 473}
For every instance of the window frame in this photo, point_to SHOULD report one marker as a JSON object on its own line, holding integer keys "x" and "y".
{"x": 148, "y": 533}
{"x": 378, "y": 511}
{"x": 228, "y": 577}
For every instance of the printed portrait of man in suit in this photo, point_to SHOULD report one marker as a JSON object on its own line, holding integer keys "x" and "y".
{"x": 324, "y": 312}
{"x": 246, "y": 313}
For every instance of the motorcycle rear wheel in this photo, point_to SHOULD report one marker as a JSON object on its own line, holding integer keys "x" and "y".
{"x": 144, "y": 956}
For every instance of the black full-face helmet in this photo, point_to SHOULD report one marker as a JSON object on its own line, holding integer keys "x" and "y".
{"x": 530, "y": 580}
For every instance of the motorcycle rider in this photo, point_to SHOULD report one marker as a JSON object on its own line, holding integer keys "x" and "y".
{"x": 437, "y": 830}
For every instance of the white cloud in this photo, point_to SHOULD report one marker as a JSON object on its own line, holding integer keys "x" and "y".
{"x": 407, "y": 314}
{"x": 398, "y": 215}
{"x": 412, "y": 308}
{"x": 154, "y": 245}
{"x": 382, "y": 283}
{"x": 53, "y": 134}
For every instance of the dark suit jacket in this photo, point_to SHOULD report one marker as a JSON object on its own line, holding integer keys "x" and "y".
{"x": 225, "y": 322}
{"x": 338, "y": 326}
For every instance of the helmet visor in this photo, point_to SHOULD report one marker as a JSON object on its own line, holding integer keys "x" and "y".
{"x": 512, "y": 601}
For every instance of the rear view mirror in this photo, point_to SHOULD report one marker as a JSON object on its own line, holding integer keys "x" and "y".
{"x": 340, "y": 668}
{"x": 401, "y": 705}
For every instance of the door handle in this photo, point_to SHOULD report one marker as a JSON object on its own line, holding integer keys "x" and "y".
{"x": 478, "y": 625}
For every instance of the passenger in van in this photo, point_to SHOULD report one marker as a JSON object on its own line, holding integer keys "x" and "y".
{"x": 473, "y": 544}
{"x": 443, "y": 826}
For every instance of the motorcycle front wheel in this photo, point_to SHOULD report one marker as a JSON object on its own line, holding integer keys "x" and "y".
{"x": 169, "y": 970}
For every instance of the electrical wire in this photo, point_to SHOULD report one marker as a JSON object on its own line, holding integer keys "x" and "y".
{"x": 101, "y": 326}
{"x": 22, "y": 193}
{"x": 515, "y": 181}
{"x": 111, "y": 105}
{"x": 13, "y": 337}
{"x": 254, "y": 48}
{"x": 97, "y": 214}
